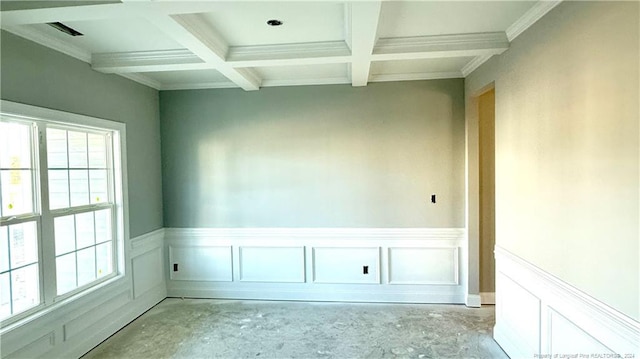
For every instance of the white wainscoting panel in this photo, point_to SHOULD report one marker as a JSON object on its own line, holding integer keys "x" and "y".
{"x": 145, "y": 280}
{"x": 537, "y": 314}
{"x": 71, "y": 327}
{"x": 272, "y": 264}
{"x": 423, "y": 265}
{"x": 200, "y": 263}
{"x": 345, "y": 265}
{"x": 324, "y": 264}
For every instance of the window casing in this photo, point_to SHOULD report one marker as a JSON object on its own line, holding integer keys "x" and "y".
{"x": 62, "y": 199}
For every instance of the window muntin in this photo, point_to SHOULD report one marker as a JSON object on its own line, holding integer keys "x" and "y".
{"x": 80, "y": 219}
{"x": 19, "y": 249}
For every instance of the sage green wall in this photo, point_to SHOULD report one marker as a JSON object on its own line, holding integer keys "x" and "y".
{"x": 315, "y": 156}
{"x": 567, "y": 147}
{"x": 35, "y": 75}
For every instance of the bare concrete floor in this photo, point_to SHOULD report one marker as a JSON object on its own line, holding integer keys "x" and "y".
{"x": 204, "y": 328}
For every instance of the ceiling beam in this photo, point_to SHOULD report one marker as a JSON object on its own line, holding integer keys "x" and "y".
{"x": 327, "y": 52}
{"x": 192, "y": 32}
{"x": 65, "y": 13}
{"x": 439, "y": 46}
{"x": 363, "y": 33}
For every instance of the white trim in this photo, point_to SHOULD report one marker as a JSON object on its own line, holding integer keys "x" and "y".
{"x": 145, "y": 61}
{"x": 346, "y": 283}
{"x": 363, "y": 28}
{"x": 344, "y": 234}
{"x": 488, "y": 298}
{"x": 49, "y": 41}
{"x": 530, "y": 17}
{"x": 304, "y": 82}
{"x": 142, "y": 79}
{"x": 474, "y": 64}
{"x": 473, "y": 301}
{"x": 198, "y": 86}
{"x": 439, "y": 46}
{"x": 289, "y": 54}
{"x": 604, "y": 326}
{"x": 415, "y": 76}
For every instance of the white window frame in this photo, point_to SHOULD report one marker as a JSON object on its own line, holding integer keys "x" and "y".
{"x": 49, "y": 299}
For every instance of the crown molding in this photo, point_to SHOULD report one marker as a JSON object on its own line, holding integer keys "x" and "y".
{"x": 438, "y": 46}
{"x": 534, "y": 14}
{"x": 303, "y": 82}
{"x": 474, "y": 64}
{"x": 142, "y": 79}
{"x": 416, "y": 76}
{"x": 198, "y": 86}
{"x": 145, "y": 61}
{"x": 49, "y": 41}
{"x": 289, "y": 54}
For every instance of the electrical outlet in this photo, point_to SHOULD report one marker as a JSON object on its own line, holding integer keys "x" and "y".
{"x": 175, "y": 267}
{"x": 365, "y": 269}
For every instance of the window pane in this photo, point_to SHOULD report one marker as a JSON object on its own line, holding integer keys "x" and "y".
{"x": 103, "y": 259}
{"x": 98, "y": 185}
{"x": 5, "y": 296}
{"x": 103, "y": 225}
{"x": 23, "y": 244}
{"x": 84, "y": 230}
{"x": 56, "y": 148}
{"x": 17, "y": 192}
{"x": 25, "y": 288}
{"x": 66, "y": 273}
{"x": 86, "y": 266}
{"x": 65, "y": 234}
{"x": 4, "y": 249}
{"x": 79, "y": 187}
{"x": 97, "y": 151}
{"x": 58, "y": 189}
{"x": 15, "y": 145}
{"x": 77, "y": 149}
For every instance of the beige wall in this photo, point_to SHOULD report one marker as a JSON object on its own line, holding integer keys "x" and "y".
{"x": 486, "y": 117}
{"x": 567, "y": 147}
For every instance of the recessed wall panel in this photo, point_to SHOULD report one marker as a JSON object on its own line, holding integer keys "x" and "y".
{"x": 201, "y": 263}
{"x": 423, "y": 266}
{"x": 346, "y": 265}
{"x": 272, "y": 264}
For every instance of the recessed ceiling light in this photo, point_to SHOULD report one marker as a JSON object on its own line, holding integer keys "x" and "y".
{"x": 274, "y": 22}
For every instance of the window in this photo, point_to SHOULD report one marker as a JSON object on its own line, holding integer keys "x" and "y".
{"x": 61, "y": 206}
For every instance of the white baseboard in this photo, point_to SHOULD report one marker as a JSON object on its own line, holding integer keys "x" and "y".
{"x": 473, "y": 301}
{"x": 488, "y": 298}
{"x": 417, "y": 265}
{"x": 538, "y": 314}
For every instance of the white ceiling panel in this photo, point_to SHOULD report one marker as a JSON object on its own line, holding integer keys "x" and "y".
{"x": 245, "y": 23}
{"x": 419, "y": 66}
{"x": 413, "y": 18}
{"x": 122, "y": 35}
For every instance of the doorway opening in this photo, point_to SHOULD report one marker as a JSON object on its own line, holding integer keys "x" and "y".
{"x": 486, "y": 157}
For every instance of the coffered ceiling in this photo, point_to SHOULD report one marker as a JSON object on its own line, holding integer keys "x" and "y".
{"x": 226, "y": 44}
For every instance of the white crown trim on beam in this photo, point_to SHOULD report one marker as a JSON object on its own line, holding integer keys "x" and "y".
{"x": 534, "y": 14}
{"x": 303, "y": 82}
{"x": 438, "y": 46}
{"x": 416, "y": 76}
{"x": 143, "y": 61}
{"x": 198, "y": 86}
{"x": 289, "y": 54}
{"x": 474, "y": 64}
{"x": 142, "y": 79}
